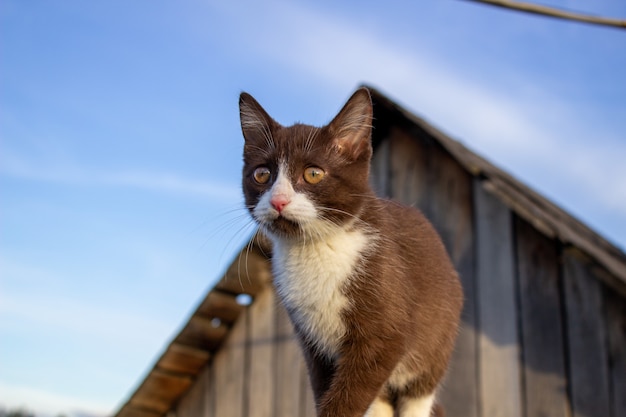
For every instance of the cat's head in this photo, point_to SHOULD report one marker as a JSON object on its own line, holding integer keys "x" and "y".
{"x": 303, "y": 181}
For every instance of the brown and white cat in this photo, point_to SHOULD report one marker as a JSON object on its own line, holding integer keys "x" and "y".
{"x": 372, "y": 294}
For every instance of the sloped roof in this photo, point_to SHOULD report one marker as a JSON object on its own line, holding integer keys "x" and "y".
{"x": 543, "y": 214}
{"x": 193, "y": 348}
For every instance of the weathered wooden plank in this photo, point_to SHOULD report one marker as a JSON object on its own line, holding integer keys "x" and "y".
{"x": 450, "y": 208}
{"x": 553, "y": 221}
{"x": 210, "y": 391}
{"x": 543, "y": 344}
{"x": 289, "y": 362}
{"x": 160, "y": 390}
{"x": 497, "y": 311}
{"x": 231, "y": 372}
{"x": 193, "y": 403}
{"x": 220, "y": 305}
{"x": 261, "y": 336}
{"x": 522, "y": 199}
{"x": 202, "y": 333}
{"x": 424, "y": 175}
{"x": 407, "y": 170}
{"x": 588, "y": 361}
{"x": 379, "y": 170}
{"x": 183, "y": 359}
{"x": 307, "y": 405}
{"x": 248, "y": 274}
{"x": 616, "y": 320}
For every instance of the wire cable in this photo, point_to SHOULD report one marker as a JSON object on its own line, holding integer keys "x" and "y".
{"x": 552, "y": 12}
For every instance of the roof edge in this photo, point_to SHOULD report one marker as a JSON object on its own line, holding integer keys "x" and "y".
{"x": 203, "y": 333}
{"x": 549, "y": 218}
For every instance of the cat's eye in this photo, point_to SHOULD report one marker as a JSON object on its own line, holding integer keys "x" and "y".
{"x": 262, "y": 175}
{"x": 313, "y": 175}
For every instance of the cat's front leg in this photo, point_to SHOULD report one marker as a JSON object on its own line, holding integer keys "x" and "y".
{"x": 419, "y": 407}
{"x": 360, "y": 374}
{"x": 321, "y": 370}
{"x": 380, "y": 408}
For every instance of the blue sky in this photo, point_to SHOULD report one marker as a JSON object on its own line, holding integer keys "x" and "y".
{"x": 120, "y": 149}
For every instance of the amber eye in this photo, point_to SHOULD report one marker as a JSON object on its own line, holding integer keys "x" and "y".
{"x": 313, "y": 175}
{"x": 262, "y": 175}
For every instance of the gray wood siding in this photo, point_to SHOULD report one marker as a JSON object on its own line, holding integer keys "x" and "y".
{"x": 586, "y": 329}
{"x": 541, "y": 334}
{"x": 403, "y": 162}
{"x": 499, "y": 375}
{"x": 259, "y": 372}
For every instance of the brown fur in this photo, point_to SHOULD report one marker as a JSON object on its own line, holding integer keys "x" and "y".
{"x": 405, "y": 297}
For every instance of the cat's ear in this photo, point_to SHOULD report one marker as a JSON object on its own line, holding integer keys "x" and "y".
{"x": 256, "y": 124}
{"x": 351, "y": 129}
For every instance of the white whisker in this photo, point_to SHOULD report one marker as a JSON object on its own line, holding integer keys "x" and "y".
{"x": 308, "y": 144}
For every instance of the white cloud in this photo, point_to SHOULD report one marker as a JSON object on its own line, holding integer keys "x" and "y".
{"x": 69, "y": 173}
{"x": 166, "y": 182}
{"x": 338, "y": 53}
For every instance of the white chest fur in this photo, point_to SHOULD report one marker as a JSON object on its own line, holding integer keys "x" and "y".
{"x": 310, "y": 279}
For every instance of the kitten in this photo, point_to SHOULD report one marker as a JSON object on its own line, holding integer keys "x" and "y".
{"x": 367, "y": 283}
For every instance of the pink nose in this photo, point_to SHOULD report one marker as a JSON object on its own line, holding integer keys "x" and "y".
{"x": 279, "y": 201}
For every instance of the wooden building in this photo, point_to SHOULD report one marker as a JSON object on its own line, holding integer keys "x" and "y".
{"x": 544, "y": 324}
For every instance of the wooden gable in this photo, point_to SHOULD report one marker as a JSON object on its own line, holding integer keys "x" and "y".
{"x": 544, "y": 323}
